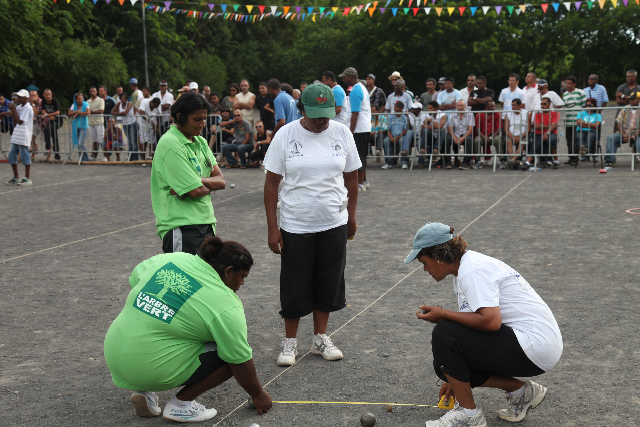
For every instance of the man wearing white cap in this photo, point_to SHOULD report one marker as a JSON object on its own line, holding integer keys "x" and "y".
{"x": 193, "y": 87}
{"x": 22, "y": 113}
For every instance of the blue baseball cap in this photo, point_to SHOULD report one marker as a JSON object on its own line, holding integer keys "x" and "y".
{"x": 431, "y": 234}
{"x": 133, "y": 81}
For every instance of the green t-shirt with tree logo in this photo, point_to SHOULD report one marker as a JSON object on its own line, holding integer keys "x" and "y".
{"x": 177, "y": 304}
{"x": 179, "y": 165}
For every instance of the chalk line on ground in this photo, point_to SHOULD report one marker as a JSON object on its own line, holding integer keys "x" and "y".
{"x": 34, "y": 187}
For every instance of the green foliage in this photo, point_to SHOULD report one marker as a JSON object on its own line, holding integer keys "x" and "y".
{"x": 204, "y": 67}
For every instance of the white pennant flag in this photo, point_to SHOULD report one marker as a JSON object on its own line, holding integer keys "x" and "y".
{"x": 273, "y": 9}
{"x": 427, "y": 10}
{"x": 358, "y": 9}
{"x": 288, "y": 15}
{"x": 485, "y": 9}
{"x": 567, "y": 5}
{"x": 418, "y": 3}
{"x": 367, "y": 7}
{"x": 133, "y": 2}
{"x": 261, "y": 16}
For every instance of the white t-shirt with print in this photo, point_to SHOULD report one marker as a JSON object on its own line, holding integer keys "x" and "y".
{"x": 22, "y": 133}
{"x": 313, "y": 196}
{"x": 487, "y": 282}
{"x": 166, "y": 99}
{"x": 517, "y": 122}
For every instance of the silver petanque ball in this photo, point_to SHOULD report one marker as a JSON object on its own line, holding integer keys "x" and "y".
{"x": 232, "y": 186}
{"x": 368, "y": 420}
{"x": 253, "y": 425}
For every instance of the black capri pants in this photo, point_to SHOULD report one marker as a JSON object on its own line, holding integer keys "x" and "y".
{"x": 312, "y": 272}
{"x": 472, "y": 356}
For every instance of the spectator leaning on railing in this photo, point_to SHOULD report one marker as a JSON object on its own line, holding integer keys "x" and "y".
{"x": 626, "y": 128}
{"x": 50, "y": 112}
{"x": 242, "y": 144}
{"x": 78, "y": 115}
{"x": 573, "y": 98}
{"x": 530, "y": 90}
{"x": 460, "y": 128}
{"x": 588, "y": 128}
{"x": 544, "y": 137}
{"x": 36, "y": 104}
{"x": 6, "y": 118}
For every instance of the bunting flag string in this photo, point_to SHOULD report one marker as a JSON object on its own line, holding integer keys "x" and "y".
{"x": 253, "y": 13}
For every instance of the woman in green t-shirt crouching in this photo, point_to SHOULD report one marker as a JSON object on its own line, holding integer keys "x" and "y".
{"x": 184, "y": 325}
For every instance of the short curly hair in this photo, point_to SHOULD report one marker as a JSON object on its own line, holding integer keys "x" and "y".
{"x": 448, "y": 252}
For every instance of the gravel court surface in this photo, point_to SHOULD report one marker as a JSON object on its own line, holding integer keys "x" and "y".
{"x": 565, "y": 231}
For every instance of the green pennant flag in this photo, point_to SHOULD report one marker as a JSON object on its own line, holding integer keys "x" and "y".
{"x": 332, "y": 13}
{"x": 510, "y": 9}
{"x": 589, "y": 3}
{"x": 406, "y": 9}
{"x": 235, "y": 7}
{"x": 322, "y": 9}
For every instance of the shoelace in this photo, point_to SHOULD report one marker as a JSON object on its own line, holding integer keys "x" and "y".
{"x": 517, "y": 402}
{"x": 197, "y": 406}
{"x": 152, "y": 397}
{"x": 288, "y": 346}
{"x": 451, "y": 415}
{"x": 328, "y": 344}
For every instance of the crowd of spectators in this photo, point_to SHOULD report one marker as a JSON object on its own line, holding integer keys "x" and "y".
{"x": 447, "y": 125}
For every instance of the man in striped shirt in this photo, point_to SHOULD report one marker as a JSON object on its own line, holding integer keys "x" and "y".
{"x": 596, "y": 91}
{"x": 575, "y": 100}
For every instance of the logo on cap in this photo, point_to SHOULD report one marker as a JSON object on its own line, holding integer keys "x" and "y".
{"x": 321, "y": 99}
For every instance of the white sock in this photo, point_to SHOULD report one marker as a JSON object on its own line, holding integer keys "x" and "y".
{"x": 556, "y": 161}
{"x": 518, "y": 392}
{"x": 180, "y": 403}
{"x": 470, "y": 412}
{"x": 527, "y": 162}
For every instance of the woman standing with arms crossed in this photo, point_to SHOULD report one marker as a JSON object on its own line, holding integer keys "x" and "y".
{"x": 503, "y": 329}
{"x": 183, "y": 175}
{"x": 318, "y": 160}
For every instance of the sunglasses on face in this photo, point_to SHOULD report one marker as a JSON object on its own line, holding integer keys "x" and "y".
{"x": 237, "y": 115}
{"x": 258, "y": 127}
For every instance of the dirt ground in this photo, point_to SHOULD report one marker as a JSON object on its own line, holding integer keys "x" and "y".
{"x": 565, "y": 231}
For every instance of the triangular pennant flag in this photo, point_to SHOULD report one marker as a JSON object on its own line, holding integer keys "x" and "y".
{"x": 254, "y": 18}
{"x": 410, "y": 1}
{"x": 249, "y": 8}
{"x": 346, "y": 11}
{"x": 167, "y": 4}
{"x": 358, "y": 9}
{"x": 313, "y": 17}
{"x": 310, "y": 9}
{"x": 555, "y": 6}
{"x": 601, "y": 3}
{"x": 211, "y": 6}
{"x": 401, "y": 2}
{"x": 415, "y": 10}
{"x": 405, "y": 9}
{"x": 438, "y": 10}
{"x": 388, "y": 1}
{"x": 418, "y": 4}
{"x": 382, "y": 9}
{"x": 121, "y": 1}
{"x": 108, "y": 1}
{"x": 473, "y": 10}
{"x": 133, "y": 2}
{"x": 615, "y": 3}
{"x": 427, "y": 10}
{"x": 451, "y": 9}
{"x": 589, "y": 4}
{"x": 286, "y": 16}
{"x": 335, "y": 9}
{"x": 94, "y": 1}
{"x": 567, "y": 5}
{"x": 367, "y": 6}
{"x": 578, "y": 4}
{"x": 523, "y": 7}
{"x": 322, "y": 9}
{"x": 461, "y": 9}
{"x": 371, "y": 12}
{"x": 332, "y": 13}
{"x": 261, "y": 9}
{"x": 625, "y": 2}
{"x": 394, "y": 10}
{"x": 485, "y": 9}
{"x": 545, "y": 6}
{"x": 224, "y": 8}
{"x": 510, "y": 9}
{"x": 498, "y": 9}
{"x": 235, "y": 7}
{"x": 298, "y": 9}
{"x": 286, "y": 9}
{"x": 274, "y": 9}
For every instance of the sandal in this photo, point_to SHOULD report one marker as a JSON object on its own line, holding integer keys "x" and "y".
{"x": 232, "y": 166}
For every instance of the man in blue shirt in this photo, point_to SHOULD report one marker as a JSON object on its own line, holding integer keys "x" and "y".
{"x": 283, "y": 104}
{"x": 448, "y": 98}
{"x": 397, "y": 131}
{"x": 594, "y": 90}
{"x": 343, "y": 114}
{"x": 6, "y": 119}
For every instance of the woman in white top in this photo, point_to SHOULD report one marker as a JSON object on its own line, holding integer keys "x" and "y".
{"x": 124, "y": 114}
{"x": 317, "y": 161}
{"x": 502, "y": 329}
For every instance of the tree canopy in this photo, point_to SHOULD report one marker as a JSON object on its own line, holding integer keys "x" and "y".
{"x": 70, "y": 46}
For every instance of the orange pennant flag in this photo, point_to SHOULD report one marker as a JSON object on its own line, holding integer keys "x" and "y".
{"x": 523, "y": 7}
{"x": 120, "y": 1}
{"x": 546, "y": 5}
{"x": 601, "y": 3}
{"x": 438, "y": 10}
{"x": 286, "y": 9}
{"x": 461, "y": 9}
{"x": 293, "y": 16}
{"x": 371, "y": 10}
{"x": 451, "y": 9}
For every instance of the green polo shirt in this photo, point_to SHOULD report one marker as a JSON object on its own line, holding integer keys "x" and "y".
{"x": 177, "y": 304}
{"x": 179, "y": 165}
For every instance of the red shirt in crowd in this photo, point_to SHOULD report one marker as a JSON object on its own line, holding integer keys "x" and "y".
{"x": 487, "y": 123}
{"x": 547, "y": 119}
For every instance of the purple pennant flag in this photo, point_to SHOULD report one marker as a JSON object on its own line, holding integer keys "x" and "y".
{"x": 578, "y": 4}
{"x": 625, "y": 2}
{"x": 167, "y": 4}
{"x": 298, "y": 10}
{"x": 382, "y": 9}
{"x": 433, "y": 1}
{"x": 211, "y": 6}
{"x": 498, "y": 9}
{"x": 108, "y": 1}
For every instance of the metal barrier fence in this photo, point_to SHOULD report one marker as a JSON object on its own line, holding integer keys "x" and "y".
{"x": 506, "y": 139}
{"x": 50, "y": 138}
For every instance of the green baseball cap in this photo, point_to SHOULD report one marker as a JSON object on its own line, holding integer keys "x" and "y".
{"x": 318, "y": 101}
{"x": 431, "y": 234}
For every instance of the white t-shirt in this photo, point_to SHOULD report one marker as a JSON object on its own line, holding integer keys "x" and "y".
{"x": 345, "y": 113}
{"x": 360, "y": 95}
{"x": 530, "y": 94}
{"x": 22, "y": 133}
{"x": 145, "y": 106}
{"x": 138, "y": 96}
{"x": 506, "y": 96}
{"x": 166, "y": 99}
{"x": 436, "y": 119}
{"x": 487, "y": 282}
{"x": 464, "y": 94}
{"x": 518, "y": 122}
{"x": 313, "y": 196}
{"x": 421, "y": 118}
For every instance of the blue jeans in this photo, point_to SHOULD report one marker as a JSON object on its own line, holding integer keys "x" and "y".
{"x": 404, "y": 143}
{"x": 588, "y": 139}
{"x": 82, "y": 134}
{"x": 242, "y": 149}
{"x": 132, "y": 135}
{"x": 430, "y": 139}
{"x": 537, "y": 145}
{"x": 613, "y": 142}
{"x": 23, "y": 150}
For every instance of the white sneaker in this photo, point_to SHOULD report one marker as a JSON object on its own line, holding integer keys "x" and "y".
{"x": 386, "y": 166}
{"x": 289, "y": 352}
{"x": 323, "y": 346}
{"x": 533, "y": 394}
{"x": 366, "y": 184}
{"x": 193, "y": 413}
{"x": 405, "y": 166}
{"x": 457, "y": 418}
{"x": 361, "y": 188}
{"x": 104, "y": 159}
{"x": 145, "y": 403}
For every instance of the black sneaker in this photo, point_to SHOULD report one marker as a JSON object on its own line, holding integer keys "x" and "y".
{"x": 555, "y": 166}
{"x": 464, "y": 166}
{"x": 447, "y": 165}
{"x": 608, "y": 163}
{"x": 524, "y": 166}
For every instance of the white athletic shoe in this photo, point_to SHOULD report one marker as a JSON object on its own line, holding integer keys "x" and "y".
{"x": 323, "y": 346}
{"x": 289, "y": 352}
{"x": 361, "y": 188}
{"x": 194, "y": 413}
{"x": 385, "y": 166}
{"x": 457, "y": 418}
{"x": 145, "y": 403}
{"x": 533, "y": 394}
{"x": 366, "y": 184}
{"x": 405, "y": 166}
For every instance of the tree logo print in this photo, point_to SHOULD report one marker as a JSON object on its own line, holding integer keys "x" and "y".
{"x": 172, "y": 281}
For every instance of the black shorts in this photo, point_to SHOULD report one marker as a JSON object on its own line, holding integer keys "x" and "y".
{"x": 362, "y": 144}
{"x": 187, "y": 238}
{"x": 470, "y": 355}
{"x": 312, "y": 272}
{"x": 209, "y": 363}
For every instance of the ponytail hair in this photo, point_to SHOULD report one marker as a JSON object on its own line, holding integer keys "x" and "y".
{"x": 221, "y": 255}
{"x": 448, "y": 252}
